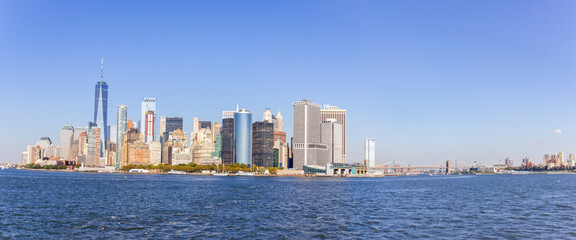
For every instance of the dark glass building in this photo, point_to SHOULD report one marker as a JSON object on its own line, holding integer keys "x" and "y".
{"x": 174, "y": 123}
{"x": 205, "y": 124}
{"x": 227, "y": 134}
{"x": 263, "y": 144}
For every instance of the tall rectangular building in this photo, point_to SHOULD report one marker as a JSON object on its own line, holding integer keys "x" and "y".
{"x": 121, "y": 131}
{"x": 148, "y": 104}
{"x": 334, "y": 112}
{"x": 101, "y": 110}
{"x": 263, "y": 144}
{"x": 66, "y": 141}
{"x": 149, "y": 128}
{"x": 370, "y": 152}
{"x": 227, "y": 134}
{"x": 332, "y": 137}
{"x": 308, "y": 150}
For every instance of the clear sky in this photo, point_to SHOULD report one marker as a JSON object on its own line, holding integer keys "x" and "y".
{"x": 429, "y": 80}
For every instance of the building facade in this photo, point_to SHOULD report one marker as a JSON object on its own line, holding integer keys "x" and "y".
{"x": 66, "y": 141}
{"x": 370, "y": 152}
{"x": 243, "y": 137}
{"x": 332, "y": 137}
{"x": 122, "y": 126}
{"x": 227, "y": 134}
{"x": 307, "y": 148}
{"x": 334, "y": 112}
{"x": 101, "y": 110}
{"x": 263, "y": 144}
{"x": 148, "y": 104}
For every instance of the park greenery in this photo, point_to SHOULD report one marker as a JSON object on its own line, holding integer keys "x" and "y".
{"x": 38, "y": 166}
{"x": 195, "y": 168}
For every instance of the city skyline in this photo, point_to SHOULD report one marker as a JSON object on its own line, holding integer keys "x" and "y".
{"x": 463, "y": 87}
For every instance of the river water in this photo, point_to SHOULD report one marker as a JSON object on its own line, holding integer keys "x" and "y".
{"x": 41, "y": 204}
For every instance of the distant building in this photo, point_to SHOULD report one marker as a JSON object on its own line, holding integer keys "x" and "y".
{"x": 263, "y": 144}
{"x": 243, "y": 137}
{"x": 370, "y": 152}
{"x": 155, "y": 152}
{"x": 148, "y": 104}
{"x": 162, "y": 125}
{"x": 509, "y": 163}
{"x": 176, "y": 150}
{"x": 174, "y": 123}
{"x": 307, "y": 148}
{"x": 279, "y": 123}
{"x": 134, "y": 149}
{"x": 101, "y": 111}
{"x": 334, "y": 112}
{"x": 149, "y": 127}
{"x": 280, "y": 153}
{"x": 227, "y": 134}
{"x": 93, "y": 156}
{"x": 112, "y": 133}
{"x": 203, "y": 147}
{"x": 206, "y": 124}
{"x": 122, "y": 127}
{"x": 527, "y": 162}
{"x": 66, "y": 141}
{"x": 331, "y": 136}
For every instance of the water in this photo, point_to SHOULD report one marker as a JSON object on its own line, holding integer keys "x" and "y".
{"x": 39, "y": 205}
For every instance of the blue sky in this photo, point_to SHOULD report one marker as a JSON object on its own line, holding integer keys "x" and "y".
{"x": 429, "y": 80}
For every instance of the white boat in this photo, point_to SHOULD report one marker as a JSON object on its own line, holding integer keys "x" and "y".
{"x": 244, "y": 173}
{"x": 177, "y": 172}
{"x": 220, "y": 174}
{"x": 135, "y": 170}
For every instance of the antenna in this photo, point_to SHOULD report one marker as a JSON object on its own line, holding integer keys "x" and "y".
{"x": 102, "y": 71}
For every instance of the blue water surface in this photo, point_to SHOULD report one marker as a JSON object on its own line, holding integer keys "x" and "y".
{"x": 63, "y": 205}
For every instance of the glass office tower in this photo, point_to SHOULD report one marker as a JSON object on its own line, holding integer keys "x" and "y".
{"x": 101, "y": 110}
{"x": 243, "y": 137}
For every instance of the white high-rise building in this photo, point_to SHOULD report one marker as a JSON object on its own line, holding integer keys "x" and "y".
{"x": 332, "y": 137}
{"x": 370, "y": 152}
{"x": 328, "y": 112}
{"x": 121, "y": 131}
{"x": 149, "y": 128}
{"x": 66, "y": 140}
{"x": 307, "y": 148}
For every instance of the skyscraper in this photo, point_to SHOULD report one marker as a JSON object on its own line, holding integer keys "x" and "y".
{"x": 162, "y": 125}
{"x": 332, "y": 137}
{"x": 307, "y": 148}
{"x": 122, "y": 127}
{"x": 263, "y": 144}
{"x": 227, "y": 134}
{"x": 101, "y": 110}
{"x": 66, "y": 140}
{"x": 243, "y": 137}
{"x": 149, "y": 128}
{"x": 328, "y": 112}
{"x": 173, "y": 123}
{"x": 148, "y": 104}
{"x": 370, "y": 152}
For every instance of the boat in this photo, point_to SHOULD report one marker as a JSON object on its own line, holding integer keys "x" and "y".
{"x": 135, "y": 170}
{"x": 220, "y": 174}
{"x": 244, "y": 173}
{"x": 176, "y": 172}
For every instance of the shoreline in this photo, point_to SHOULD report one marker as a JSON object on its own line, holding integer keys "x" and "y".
{"x": 321, "y": 176}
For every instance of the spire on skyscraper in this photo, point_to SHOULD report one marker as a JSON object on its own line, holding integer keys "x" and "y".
{"x": 102, "y": 71}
